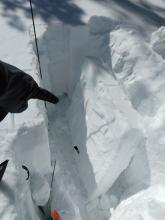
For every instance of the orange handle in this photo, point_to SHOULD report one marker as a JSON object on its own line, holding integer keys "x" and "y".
{"x": 55, "y": 215}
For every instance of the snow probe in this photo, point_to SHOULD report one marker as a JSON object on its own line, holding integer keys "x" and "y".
{"x": 35, "y": 35}
{"x": 3, "y": 168}
{"x": 54, "y": 214}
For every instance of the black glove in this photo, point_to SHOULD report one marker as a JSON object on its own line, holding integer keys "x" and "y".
{"x": 43, "y": 94}
{"x": 54, "y": 99}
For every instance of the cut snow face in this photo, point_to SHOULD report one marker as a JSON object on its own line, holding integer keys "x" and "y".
{"x": 98, "y": 118}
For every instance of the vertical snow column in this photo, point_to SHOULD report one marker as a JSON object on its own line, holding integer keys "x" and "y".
{"x": 63, "y": 55}
{"x": 102, "y": 121}
{"x": 64, "y": 49}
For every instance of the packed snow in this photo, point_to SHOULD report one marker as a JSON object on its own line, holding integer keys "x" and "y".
{"x": 148, "y": 204}
{"x": 105, "y": 137}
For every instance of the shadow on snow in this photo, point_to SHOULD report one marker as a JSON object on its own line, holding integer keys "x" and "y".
{"x": 63, "y": 10}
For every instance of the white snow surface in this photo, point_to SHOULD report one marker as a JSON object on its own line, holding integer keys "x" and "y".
{"x": 109, "y": 75}
{"x": 148, "y": 204}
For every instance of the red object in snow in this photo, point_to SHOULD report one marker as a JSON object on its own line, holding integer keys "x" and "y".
{"x": 55, "y": 215}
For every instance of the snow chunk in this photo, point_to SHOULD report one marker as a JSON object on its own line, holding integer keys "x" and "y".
{"x": 40, "y": 188}
{"x": 141, "y": 72}
{"x": 158, "y": 41}
{"x": 104, "y": 126}
{"x": 148, "y": 204}
{"x": 136, "y": 65}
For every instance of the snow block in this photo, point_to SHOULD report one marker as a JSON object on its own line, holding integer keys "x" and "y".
{"x": 104, "y": 126}
{"x": 141, "y": 72}
{"x": 32, "y": 150}
{"x": 40, "y": 188}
